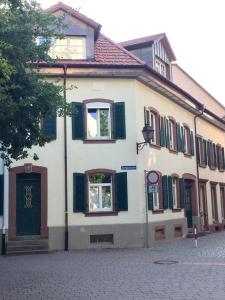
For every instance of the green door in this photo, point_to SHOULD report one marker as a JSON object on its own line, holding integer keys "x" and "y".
{"x": 28, "y": 204}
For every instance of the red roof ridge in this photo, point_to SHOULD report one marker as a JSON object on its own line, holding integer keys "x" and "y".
{"x": 123, "y": 49}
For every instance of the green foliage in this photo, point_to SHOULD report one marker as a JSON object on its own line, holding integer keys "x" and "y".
{"x": 25, "y": 95}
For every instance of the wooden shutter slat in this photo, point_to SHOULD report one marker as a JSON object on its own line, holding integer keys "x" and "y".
{"x": 150, "y": 201}
{"x": 121, "y": 194}
{"x": 192, "y": 142}
{"x": 162, "y": 132}
{"x": 1, "y": 194}
{"x": 78, "y": 121}
{"x": 49, "y": 127}
{"x": 178, "y": 137}
{"x": 170, "y": 192}
{"x": 165, "y": 191}
{"x": 79, "y": 192}
{"x": 119, "y": 120}
{"x": 197, "y": 144}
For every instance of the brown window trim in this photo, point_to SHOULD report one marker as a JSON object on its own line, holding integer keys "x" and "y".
{"x": 186, "y": 127}
{"x": 97, "y": 141}
{"x": 174, "y": 150}
{"x": 157, "y": 120}
{"x": 160, "y": 233}
{"x": 102, "y": 213}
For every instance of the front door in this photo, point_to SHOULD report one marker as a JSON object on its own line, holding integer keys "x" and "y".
{"x": 188, "y": 207}
{"x": 28, "y": 204}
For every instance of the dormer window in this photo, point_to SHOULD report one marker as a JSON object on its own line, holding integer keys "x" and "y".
{"x": 70, "y": 47}
{"x": 160, "y": 67}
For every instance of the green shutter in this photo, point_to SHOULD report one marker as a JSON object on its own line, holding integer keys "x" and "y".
{"x": 162, "y": 132}
{"x": 119, "y": 120}
{"x": 214, "y": 155}
{"x": 167, "y": 135}
{"x": 121, "y": 191}
{"x": 182, "y": 139}
{"x": 218, "y": 157}
{"x": 181, "y": 189}
{"x": 192, "y": 143}
{"x": 1, "y": 194}
{"x": 178, "y": 137}
{"x": 165, "y": 191}
{"x": 150, "y": 201}
{"x": 79, "y": 201}
{"x": 78, "y": 121}
{"x": 223, "y": 159}
{"x": 49, "y": 127}
{"x": 170, "y": 192}
{"x": 209, "y": 154}
{"x": 197, "y": 144}
{"x": 205, "y": 151}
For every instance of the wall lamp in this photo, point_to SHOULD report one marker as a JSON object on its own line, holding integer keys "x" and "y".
{"x": 148, "y": 134}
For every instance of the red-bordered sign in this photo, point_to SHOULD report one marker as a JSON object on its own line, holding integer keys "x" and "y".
{"x": 152, "y": 177}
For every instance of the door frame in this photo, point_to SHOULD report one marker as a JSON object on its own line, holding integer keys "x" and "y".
{"x": 192, "y": 179}
{"x": 27, "y": 168}
{"x": 202, "y": 183}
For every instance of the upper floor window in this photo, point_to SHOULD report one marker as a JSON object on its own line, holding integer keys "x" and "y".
{"x": 98, "y": 121}
{"x": 152, "y": 118}
{"x": 70, "y": 47}
{"x": 171, "y": 130}
{"x": 160, "y": 67}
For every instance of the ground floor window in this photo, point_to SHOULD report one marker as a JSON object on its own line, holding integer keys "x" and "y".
{"x": 222, "y": 199}
{"x": 214, "y": 203}
{"x": 100, "y": 192}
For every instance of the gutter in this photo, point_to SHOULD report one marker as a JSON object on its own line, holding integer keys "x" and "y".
{"x": 197, "y": 166}
{"x": 66, "y": 233}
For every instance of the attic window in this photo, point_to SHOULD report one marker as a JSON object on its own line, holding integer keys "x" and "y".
{"x": 70, "y": 47}
{"x": 160, "y": 67}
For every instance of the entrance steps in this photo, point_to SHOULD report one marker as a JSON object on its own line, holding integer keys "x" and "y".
{"x": 27, "y": 245}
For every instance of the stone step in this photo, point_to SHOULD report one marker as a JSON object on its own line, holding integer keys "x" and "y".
{"x": 27, "y": 246}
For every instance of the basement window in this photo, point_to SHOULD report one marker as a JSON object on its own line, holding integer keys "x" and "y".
{"x": 101, "y": 239}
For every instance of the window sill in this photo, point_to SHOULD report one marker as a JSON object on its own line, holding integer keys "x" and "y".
{"x": 158, "y": 211}
{"x": 202, "y": 165}
{"x": 212, "y": 168}
{"x": 173, "y": 151}
{"x": 99, "y": 141}
{"x": 187, "y": 155}
{"x": 101, "y": 213}
{"x": 174, "y": 210}
{"x": 156, "y": 146}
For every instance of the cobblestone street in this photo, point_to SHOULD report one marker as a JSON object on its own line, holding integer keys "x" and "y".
{"x": 120, "y": 273}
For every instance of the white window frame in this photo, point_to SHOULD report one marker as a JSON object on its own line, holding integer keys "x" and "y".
{"x": 160, "y": 67}
{"x": 100, "y": 186}
{"x": 171, "y": 134}
{"x": 69, "y": 48}
{"x": 152, "y": 123}
{"x": 155, "y": 197}
{"x": 174, "y": 191}
{"x": 185, "y": 139}
{"x": 98, "y": 106}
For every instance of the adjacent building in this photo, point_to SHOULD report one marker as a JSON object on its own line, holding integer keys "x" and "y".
{"x": 89, "y": 188}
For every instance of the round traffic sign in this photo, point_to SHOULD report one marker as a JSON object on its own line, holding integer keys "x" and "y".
{"x": 152, "y": 177}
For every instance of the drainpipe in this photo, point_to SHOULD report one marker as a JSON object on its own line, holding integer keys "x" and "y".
{"x": 197, "y": 166}
{"x": 5, "y": 207}
{"x": 65, "y": 163}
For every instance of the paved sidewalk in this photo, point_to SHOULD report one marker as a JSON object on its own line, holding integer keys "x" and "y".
{"x": 120, "y": 273}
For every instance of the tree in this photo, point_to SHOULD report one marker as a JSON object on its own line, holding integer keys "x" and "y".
{"x": 25, "y": 95}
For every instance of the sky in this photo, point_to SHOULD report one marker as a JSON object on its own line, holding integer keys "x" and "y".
{"x": 195, "y": 29}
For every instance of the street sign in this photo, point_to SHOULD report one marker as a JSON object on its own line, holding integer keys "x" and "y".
{"x": 152, "y": 177}
{"x": 154, "y": 188}
{"x": 128, "y": 167}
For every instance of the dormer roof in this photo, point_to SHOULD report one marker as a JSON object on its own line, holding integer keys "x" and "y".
{"x": 149, "y": 40}
{"x": 74, "y": 13}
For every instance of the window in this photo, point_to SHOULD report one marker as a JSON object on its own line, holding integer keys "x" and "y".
{"x": 160, "y": 67}
{"x": 152, "y": 118}
{"x": 171, "y": 135}
{"x": 201, "y": 150}
{"x": 101, "y": 121}
{"x": 174, "y": 192}
{"x": 155, "y": 200}
{"x": 220, "y": 157}
{"x": 100, "y": 192}
{"x": 187, "y": 140}
{"x": 222, "y": 199}
{"x": 98, "y": 121}
{"x": 71, "y": 47}
{"x": 214, "y": 203}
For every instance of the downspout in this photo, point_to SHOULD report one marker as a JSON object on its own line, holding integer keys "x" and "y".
{"x": 66, "y": 238}
{"x": 197, "y": 166}
{"x": 5, "y": 207}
